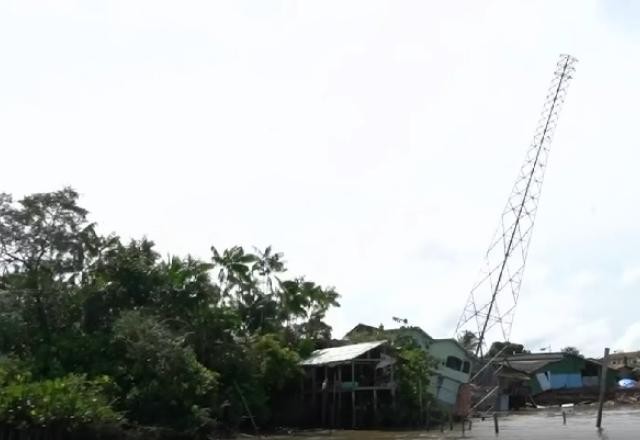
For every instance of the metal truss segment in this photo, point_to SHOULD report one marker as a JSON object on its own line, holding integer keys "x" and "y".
{"x": 489, "y": 305}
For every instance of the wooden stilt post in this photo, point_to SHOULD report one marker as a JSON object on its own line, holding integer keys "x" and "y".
{"x": 325, "y": 385}
{"x": 340, "y": 396}
{"x": 428, "y": 415}
{"x": 375, "y": 407}
{"x": 333, "y": 401}
{"x": 301, "y": 411}
{"x": 353, "y": 394}
{"x": 603, "y": 385}
{"x": 393, "y": 388}
{"x": 375, "y": 396}
{"x": 314, "y": 390}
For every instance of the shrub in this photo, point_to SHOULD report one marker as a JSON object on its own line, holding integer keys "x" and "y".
{"x": 69, "y": 401}
{"x": 162, "y": 381}
{"x": 13, "y": 370}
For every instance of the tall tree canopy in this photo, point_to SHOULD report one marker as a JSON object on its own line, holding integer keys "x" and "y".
{"x": 571, "y": 350}
{"x": 469, "y": 340}
{"x": 169, "y": 341}
{"x": 505, "y": 349}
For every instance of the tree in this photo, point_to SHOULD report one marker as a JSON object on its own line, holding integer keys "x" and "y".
{"x": 505, "y": 349}
{"x": 175, "y": 337}
{"x": 45, "y": 243}
{"x": 469, "y": 340}
{"x": 571, "y": 350}
{"x": 414, "y": 368}
{"x": 163, "y": 382}
{"x": 401, "y": 321}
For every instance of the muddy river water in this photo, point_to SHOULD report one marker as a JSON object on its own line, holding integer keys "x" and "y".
{"x": 618, "y": 424}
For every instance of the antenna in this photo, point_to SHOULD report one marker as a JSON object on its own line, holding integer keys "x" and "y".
{"x": 491, "y": 304}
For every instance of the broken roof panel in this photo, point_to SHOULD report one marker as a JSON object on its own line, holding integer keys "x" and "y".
{"x": 532, "y": 362}
{"x": 528, "y": 366}
{"x": 537, "y": 356}
{"x": 338, "y": 355}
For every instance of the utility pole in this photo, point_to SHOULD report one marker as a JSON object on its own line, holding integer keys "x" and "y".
{"x": 603, "y": 386}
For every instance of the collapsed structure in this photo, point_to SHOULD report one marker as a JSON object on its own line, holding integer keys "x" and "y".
{"x": 540, "y": 379}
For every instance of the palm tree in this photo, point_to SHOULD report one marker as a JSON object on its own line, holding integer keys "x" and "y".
{"x": 571, "y": 350}
{"x": 469, "y": 340}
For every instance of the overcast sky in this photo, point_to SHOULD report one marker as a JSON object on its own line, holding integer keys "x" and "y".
{"x": 374, "y": 143}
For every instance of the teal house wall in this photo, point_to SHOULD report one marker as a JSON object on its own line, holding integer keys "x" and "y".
{"x": 570, "y": 372}
{"x": 453, "y": 369}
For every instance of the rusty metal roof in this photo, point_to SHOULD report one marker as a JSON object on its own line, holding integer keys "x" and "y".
{"x": 337, "y": 355}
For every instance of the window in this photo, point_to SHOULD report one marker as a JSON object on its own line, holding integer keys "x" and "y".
{"x": 454, "y": 363}
{"x": 466, "y": 367}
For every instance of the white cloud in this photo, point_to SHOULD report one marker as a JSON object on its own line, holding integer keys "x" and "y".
{"x": 630, "y": 340}
{"x": 631, "y": 276}
{"x": 583, "y": 279}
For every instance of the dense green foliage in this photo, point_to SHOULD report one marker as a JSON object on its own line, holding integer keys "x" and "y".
{"x": 571, "y": 350}
{"x": 469, "y": 340}
{"x": 413, "y": 369}
{"x": 71, "y": 400}
{"x": 101, "y": 328}
{"x": 505, "y": 349}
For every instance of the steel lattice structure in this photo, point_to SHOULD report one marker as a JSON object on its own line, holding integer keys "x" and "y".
{"x": 491, "y": 304}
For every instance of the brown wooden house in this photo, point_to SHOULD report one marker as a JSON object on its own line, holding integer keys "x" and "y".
{"x": 348, "y": 386}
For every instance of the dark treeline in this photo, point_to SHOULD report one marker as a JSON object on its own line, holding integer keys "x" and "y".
{"x": 98, "y": 331}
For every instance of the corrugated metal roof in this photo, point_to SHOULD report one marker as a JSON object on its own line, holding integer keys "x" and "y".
{"x": 528, "y": 366}
{"x": 337, "y": 355}
{"x": 536, "y": 357}
{"x": 531, "y": 362}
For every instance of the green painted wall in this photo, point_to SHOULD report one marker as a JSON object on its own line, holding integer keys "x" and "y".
{"x": 440, "y": 350}
{"x": 568, "y": 365}
{"x": 446, "y": 381}
{"x": 420, "y": 337}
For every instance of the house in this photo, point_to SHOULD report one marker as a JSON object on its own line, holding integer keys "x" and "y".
{"x": 416, "y": 333}
{"x": 347, "y": 386}
{"x": 453, "y": 362}
{"x": 625, "y": 363}
{"x": 629, "y": 359}
{"x": 453, "y": 369}
{"x": 554, "y": 378}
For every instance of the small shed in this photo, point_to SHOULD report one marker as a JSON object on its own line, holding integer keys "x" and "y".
{"x": 347, "y": 386}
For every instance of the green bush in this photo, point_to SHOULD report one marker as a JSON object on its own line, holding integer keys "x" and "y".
{"x": 278, "y": 366}
{"x": 68, "y": 401}
{"x": 163, "y": 382}
{"x": 414, "y": 367}
{"x": 13, "y": 370}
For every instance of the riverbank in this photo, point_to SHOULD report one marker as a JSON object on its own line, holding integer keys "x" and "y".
{"x": 619, "y": 423}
